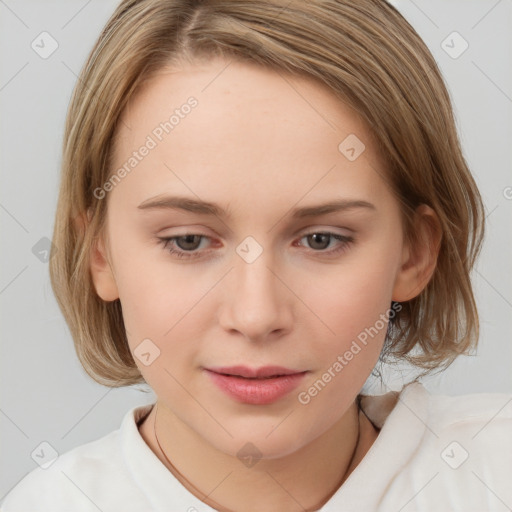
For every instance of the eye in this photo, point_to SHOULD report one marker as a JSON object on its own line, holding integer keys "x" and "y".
{"x": 188, "y": 246}
{"x": 320, "y": 240}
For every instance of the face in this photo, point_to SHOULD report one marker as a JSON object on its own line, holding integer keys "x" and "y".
{"x": 264, "y": 277}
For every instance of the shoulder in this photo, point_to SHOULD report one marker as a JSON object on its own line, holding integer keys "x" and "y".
{"x": 465, "y": 449}
{"x": 82, "y": 479}
{"x": 440, "y": 452}
{"x": 476, "y": 419}
{"x": 473, "y": 408}
{"x": 64, "y": 482}
{"x": 483, "y": 418}
{"x": 442, "y": 412}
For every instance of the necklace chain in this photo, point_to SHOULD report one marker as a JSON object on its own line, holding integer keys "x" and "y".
{"x": 179, "y": 475}
{"x": 220, "y": 508}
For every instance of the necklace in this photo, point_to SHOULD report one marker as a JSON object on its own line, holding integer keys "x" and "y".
{"x": 220, "y": 508}
{"x": 180, "y": 477}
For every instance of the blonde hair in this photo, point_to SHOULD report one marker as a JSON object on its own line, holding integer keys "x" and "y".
{"x": 369, "y": 56}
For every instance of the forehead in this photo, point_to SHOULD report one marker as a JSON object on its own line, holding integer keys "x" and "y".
{"x": 253, "y": 128}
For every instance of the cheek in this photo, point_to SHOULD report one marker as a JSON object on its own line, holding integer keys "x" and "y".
{"x": 357, "y": 328}
{"x": 158, "y": 298}
{"x": 354, "y": 302}
{"x": 158, "y": 312}
{"x": 353, "y": 298}
{"x": 151, "y": 288}
{"x": 356, "y": 308}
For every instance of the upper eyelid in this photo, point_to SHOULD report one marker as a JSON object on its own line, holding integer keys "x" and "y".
{"x": 300, "y": 232}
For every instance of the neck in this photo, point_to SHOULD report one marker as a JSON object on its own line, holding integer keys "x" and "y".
{"x": 303, "y": 480}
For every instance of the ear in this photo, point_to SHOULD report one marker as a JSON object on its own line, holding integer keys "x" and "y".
{"x": 99, "y": 265}
{"x": 101, "y": 272}
{"x": 419, "y": 260}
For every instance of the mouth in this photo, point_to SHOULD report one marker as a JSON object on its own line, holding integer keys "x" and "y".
{"x": 257, "y": 386}
{"x": 264, "y": 372}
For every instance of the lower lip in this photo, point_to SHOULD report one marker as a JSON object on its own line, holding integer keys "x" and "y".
{"x": 256, "y": 391}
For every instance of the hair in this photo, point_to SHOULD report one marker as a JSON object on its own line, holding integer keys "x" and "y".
{"x": 364, "y": 52}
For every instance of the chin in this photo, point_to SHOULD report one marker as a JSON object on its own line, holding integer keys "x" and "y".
{"x": 263, "y": 441}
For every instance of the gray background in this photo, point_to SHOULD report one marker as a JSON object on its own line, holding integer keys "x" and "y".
{"x": 45, "y": 394}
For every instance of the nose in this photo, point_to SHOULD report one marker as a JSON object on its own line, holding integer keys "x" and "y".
{"x": 256, "y": 301}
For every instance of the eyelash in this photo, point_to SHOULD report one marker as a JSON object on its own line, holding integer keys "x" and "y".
{"x": 166, "y": 241}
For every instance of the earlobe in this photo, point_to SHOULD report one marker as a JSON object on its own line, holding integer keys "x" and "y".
{"x": 419, "y": 260}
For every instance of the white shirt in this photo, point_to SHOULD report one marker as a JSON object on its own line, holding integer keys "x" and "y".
{"x": 434, "y": 453}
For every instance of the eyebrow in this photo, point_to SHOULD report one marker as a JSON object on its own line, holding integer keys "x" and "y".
{"x": 208, "y": 208}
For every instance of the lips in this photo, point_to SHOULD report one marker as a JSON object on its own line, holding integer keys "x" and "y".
{"x": 256, "y": 386}
{"x": 254, "y": 373}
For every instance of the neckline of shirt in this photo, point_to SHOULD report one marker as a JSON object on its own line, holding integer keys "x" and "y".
{"x": 401, "y": 433}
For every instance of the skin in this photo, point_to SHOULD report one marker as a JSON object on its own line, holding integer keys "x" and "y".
{"x": 259, "y": 144}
